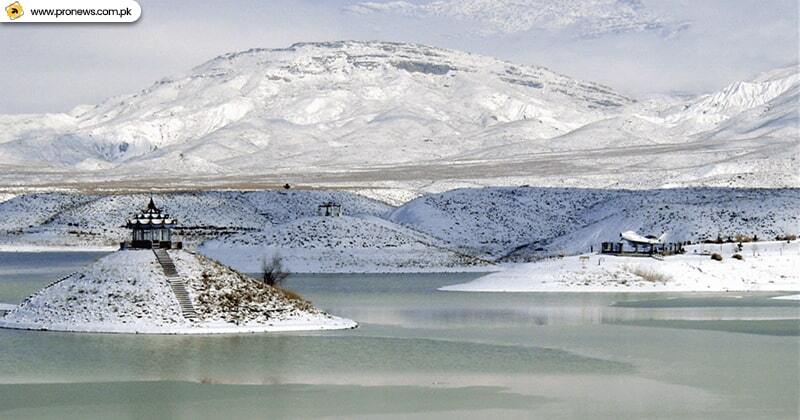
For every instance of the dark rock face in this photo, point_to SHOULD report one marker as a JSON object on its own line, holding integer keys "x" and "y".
{"x": 422, "y": 67}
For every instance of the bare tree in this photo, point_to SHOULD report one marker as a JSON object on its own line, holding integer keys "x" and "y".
{"x": 272, "y": 270}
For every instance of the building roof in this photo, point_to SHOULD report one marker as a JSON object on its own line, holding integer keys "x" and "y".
{"x": 632, "y": 236}
{"x": 151, "y": 206}
{"x": 151, "y": 216}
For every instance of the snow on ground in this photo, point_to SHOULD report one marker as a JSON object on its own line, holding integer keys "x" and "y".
{"x": 450, "y": 231}
{"x": 524, "y": 223}
{"x": 494, "y": 221}
{"x": 59, "y": 219}
{"x": 127, "y": 292}
{"x": 225, "y": 299}
{"x": 391, "y": 196}
{"x": 341, "y": 244}
{"x": 788, "y": 297}
{"x": 766, "y": 266}
{"x": 6, "y": 196}
{"x": 126, "y": 289}
{"x": 56, "y": 248}
{"x": 28, "y": 210}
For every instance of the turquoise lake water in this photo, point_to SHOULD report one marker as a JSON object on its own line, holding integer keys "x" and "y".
{"x": 420, "y": 353}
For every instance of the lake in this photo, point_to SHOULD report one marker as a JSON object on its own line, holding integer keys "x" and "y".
{"x": 420, "y": 353}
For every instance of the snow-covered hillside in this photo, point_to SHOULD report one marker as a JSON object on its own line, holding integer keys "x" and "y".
{"x": 464, "y": 229}
{"x": 341, "y": 244}
{"x": 56, "y": 219}
{"x": 391, "y": 115}
{"x": 525, "y": 223}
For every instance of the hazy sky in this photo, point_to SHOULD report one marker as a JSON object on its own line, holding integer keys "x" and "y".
{"x": 690, "y": 46}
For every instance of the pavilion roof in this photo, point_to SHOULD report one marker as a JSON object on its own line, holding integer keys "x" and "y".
{"x": 151, "y": 216}
{"x": 632, "y": 236}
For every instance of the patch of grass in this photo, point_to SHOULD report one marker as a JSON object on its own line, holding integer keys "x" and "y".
{"x": 299, "y": 301}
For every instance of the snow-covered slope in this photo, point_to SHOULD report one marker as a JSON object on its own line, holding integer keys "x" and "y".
{"x": 55, "y": 219}
{"x": 392, "y": 115}
{"x": 127, "y": 292}
{"x": 341, "y": 244}
{"x": 524, "y": 223}
{"x": 495, "y": 220}
{"x": 455, "y": 230}
{"x": 768, "y": 94}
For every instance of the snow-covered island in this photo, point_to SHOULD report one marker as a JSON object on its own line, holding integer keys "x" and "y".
{"x": 764, "y": 266}
{"x": 128, "y": 292}
{"x": 152, "y": 285}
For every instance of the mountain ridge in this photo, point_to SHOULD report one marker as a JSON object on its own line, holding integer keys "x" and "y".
{"x": 332, "y": 107}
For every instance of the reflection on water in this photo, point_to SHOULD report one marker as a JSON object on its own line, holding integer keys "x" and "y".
{"x": 420, "y": 351}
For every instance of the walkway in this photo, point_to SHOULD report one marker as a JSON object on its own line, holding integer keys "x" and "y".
{"x": 176, "y": 283}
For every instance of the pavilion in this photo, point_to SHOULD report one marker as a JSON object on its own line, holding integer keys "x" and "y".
{"x": 151, "y": 229}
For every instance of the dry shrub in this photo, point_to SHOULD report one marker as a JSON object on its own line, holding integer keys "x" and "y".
{"x": 299, "y": 301}
{"x": 272, "y": 270}
{"x": 716, "y": 257}
{"x": 649, "y": 274}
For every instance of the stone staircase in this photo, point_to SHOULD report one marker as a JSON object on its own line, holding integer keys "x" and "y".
{"x": 176, "y": 283}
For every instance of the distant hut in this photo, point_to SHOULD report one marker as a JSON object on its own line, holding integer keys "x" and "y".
{"x": 330, "y": 209}
{"x": 635, "y": 243}
{"x": 632, "y": 243}
{"x": 151, "y": 229}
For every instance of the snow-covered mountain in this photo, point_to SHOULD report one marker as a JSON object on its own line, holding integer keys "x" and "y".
{"x": 369, "y": 114}
{"x": 334, "y": 103}
{"x": 763, "y": 94}
{"x": 586, "y": 18}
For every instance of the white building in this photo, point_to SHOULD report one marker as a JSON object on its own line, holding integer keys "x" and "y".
{"x": 632, "y": 243}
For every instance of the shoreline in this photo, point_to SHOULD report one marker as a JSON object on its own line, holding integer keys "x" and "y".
{"x": 642, "y": 290}
{"x": 771, "y": 266}
{"x": 334, "y": 323}
{"x": 788, "y": 297}
{"x": 56, "y": 248}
